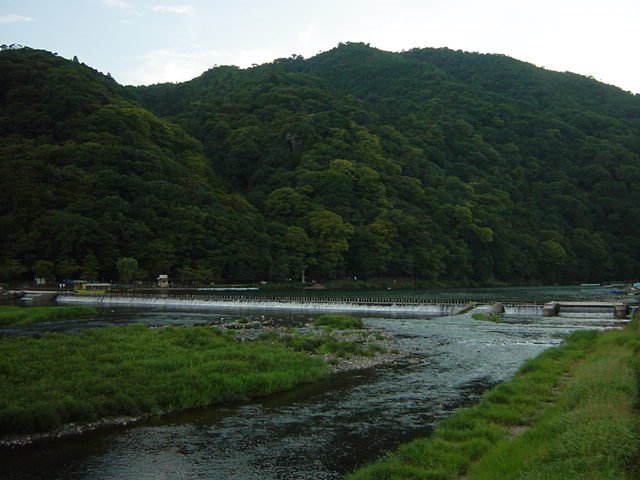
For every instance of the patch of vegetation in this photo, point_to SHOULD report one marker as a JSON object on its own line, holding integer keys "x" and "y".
{"x": 325, "y": 344}
{"x": 10, "y": 316}
{"x": 303, "y": 343}
{"x": 568, "y": 414}
{"x": 490, "y": 317}
{"x": 134, "y": 370}
{"x": 338, "y": 322}
{"x": 344, "y": 349}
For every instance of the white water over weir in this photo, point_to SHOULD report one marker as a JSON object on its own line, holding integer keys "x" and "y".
{"x": 522, "y": 309}
{"x": 236, "y": 304}
{"x": 402, "y": 307}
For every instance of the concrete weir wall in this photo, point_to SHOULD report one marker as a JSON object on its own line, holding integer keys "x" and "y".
{"x": 38, "y": 298}
{"x": 293, "y": 305}
{"x": 618, "y": 310}
{"x": 396, "y": 307}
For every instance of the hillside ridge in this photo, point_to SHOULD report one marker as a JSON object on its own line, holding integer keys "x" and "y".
{"x": 440, "y": 165}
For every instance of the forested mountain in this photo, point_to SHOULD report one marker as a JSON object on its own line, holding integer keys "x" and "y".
{"x": 87, "y": 177}
{"x": 440, "y": 165}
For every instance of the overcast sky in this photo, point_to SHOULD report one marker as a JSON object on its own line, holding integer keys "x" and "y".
{"x": 151, "y": 41}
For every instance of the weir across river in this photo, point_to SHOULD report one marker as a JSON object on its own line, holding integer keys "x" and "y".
{"x": 616, "y": 309}
{"x": 361, "y": 305}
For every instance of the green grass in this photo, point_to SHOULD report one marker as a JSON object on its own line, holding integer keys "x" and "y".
{"x": 10, "y": 316}
{"x": 338, "y": 322}
{"x": 132, "y": 370}
{"x": 568, "y": 414}
{"x": 492, "y": 317}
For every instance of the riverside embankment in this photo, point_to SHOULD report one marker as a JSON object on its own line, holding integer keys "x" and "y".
{"x": 570, "y": 413}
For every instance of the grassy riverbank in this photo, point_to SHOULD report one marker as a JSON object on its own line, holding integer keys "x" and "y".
{"x": 570, "y": 413}
{"x": 57, "y": 379}
{"x": 11, "y": 316}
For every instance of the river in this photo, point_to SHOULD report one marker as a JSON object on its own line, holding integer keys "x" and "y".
{"x": 319, "y": 431}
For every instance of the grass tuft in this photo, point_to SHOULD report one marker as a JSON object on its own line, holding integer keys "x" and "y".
{"x": 491, "y": 317}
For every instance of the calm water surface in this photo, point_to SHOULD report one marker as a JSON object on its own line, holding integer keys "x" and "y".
{"x": 315, "y": 432}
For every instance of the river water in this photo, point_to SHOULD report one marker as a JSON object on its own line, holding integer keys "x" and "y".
{"x": 319, "y": 431}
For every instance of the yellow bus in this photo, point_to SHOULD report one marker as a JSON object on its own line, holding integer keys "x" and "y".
{"x": 87, "y": 288}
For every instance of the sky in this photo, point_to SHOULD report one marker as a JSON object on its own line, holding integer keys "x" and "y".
{"x": 142, "y": 42}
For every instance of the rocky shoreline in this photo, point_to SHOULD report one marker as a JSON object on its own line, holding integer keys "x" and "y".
{"x": 66, "y": 431}
{"x": 246, "y": 329}
{"x": 250, "y": 328}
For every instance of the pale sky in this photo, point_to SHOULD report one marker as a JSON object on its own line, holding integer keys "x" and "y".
{"x": 152, "y": 41}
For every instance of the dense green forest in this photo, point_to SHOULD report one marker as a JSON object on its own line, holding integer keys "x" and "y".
{"x": 440, "y": 165}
